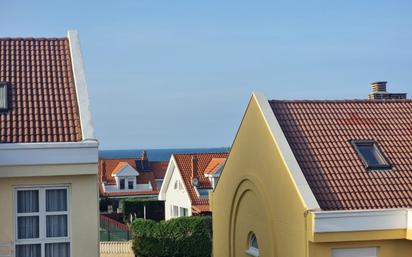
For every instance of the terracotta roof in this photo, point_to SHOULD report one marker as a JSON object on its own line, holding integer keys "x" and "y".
{"x": 107, "y": 167}
{"x": 118, "y": 167}
{"x": 184, "y": 163}
{"x": 319, "y": 134}
{"x": 214, "y": 165}
{"x": 42, "y": 95}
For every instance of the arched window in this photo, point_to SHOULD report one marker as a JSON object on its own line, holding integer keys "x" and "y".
{"x": 253, "y": 247}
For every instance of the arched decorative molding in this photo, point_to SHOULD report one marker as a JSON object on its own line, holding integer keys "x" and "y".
{"x": 245, "y": 184}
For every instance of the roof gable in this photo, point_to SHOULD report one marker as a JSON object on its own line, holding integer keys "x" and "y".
{"x": 123, "y": 169}
{"x": 184, "y": 164}
{"x": 320, "y": 133}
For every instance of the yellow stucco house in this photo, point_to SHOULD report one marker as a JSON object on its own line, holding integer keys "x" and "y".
{"x": 48, "y": 152}
{"x": 318, "y": 179}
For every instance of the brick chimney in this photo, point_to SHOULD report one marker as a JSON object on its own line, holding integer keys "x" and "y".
{"x": 195, "y": 171}
{"x": 379, "y": 92}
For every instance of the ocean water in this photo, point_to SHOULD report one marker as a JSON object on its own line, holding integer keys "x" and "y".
{"x": 156, "y": 154}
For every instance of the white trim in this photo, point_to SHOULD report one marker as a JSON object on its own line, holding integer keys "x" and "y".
{"x": 286, "y": 152}
{"x": 48, "y": 153}
{"x": 362, "y": 220}
{"x": 81, "y": 86}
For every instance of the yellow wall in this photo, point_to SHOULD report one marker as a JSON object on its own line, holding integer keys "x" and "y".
{"x": 387, "y": 248}
{"x": 84, "y": 206}
{"x": 256, "y": 193}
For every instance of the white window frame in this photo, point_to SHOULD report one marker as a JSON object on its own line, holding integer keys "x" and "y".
{"x": 42, "y": 214}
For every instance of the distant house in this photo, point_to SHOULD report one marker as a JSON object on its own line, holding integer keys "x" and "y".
{"x": 48, "y": 151}
{"x": 131, "y": 177}
{"x": 189, "y": 179}
{"x": 326, "y": 178}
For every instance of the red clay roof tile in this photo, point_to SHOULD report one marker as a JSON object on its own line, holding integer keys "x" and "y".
{"x": 319, "y": 133}
{"x": 42, "y": 96}
{"x": 107, "y": 167}
{"x": 184, "y": 163}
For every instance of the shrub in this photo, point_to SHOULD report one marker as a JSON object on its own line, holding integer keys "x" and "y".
{"x": 155, "y": 210}
{"x": 180, "y": 237}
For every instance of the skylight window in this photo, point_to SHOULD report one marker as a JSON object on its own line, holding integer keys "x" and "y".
{"x": 370, "y": 154}
{"x": 3, "y": 96}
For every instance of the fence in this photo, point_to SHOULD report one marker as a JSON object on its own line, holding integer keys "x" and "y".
{"x": 116, "y": 249}
{"x": 112, "y": 230}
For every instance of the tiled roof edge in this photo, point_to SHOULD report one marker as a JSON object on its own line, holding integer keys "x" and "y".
{"x": 83, "y": 100}
{"x": 296, "y": 173}
{"x": 343, "y": 101}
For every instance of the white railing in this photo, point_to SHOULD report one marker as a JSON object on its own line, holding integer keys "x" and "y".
{"x": 6, "y": 250}
{"x": 114, "y": 247}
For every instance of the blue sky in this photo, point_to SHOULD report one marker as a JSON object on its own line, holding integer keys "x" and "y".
{"x": 177, "y": 73}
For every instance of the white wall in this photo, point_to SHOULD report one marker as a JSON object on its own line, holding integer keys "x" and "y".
{"x": 177, "y": 197}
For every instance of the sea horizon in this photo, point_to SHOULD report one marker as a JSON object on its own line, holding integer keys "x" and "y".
{"x": 155, "y": 154}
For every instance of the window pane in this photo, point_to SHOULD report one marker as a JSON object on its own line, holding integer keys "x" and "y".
{"x": 122, "y": 181}
{"x": 370, "y": 155}
{"x": 175, "y": 211}
{"x": 58, "y": 250}
{"x": 56, "y": 225}
{"x": 28, "y": 227}
{"x": 3, "y": 96}
{"x": 130, "y": 184}
{"x": 56, "y": 200}
{"x": 28, "y": 250}
{"x": 27, "y": 201}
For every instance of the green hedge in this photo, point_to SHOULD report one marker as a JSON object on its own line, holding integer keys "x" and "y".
{"x": 155, "y": 209}
{"x": 180, "y": 237}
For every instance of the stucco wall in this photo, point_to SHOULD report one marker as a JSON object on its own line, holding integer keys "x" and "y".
{"x": 176, "y": 197}
{"x": 84, "y": 205}
{"x": 256, "y": 193}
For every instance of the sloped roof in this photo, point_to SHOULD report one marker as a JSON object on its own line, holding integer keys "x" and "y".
{"x": 319, "y": 134}
{"x": 184, "y": 163}
{"x": 41, "y": 91}
{"x": 107, "y": 167}
{"x": 214, "y": 165}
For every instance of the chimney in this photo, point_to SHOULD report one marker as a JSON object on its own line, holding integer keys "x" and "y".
{"x": 379, "y": 92}
{"x": 195, "y": 170}
{"x": 143, "y": 163}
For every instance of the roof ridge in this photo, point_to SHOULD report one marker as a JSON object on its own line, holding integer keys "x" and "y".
{"x": 341, "y": 101}
{"x": 33, "y": 38}
{"x": 200, "y": 153}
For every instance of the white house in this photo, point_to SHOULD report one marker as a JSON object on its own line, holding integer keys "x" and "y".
{"x": 48, "y": 151}
{"x": 188, "y": 180}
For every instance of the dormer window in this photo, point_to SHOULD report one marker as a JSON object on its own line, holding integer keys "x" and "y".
{"x": 370, "y": 154}
{"x": 130, "y": 184}
{"x": 122, "y": 183}
{"x": 3, "y": 96}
